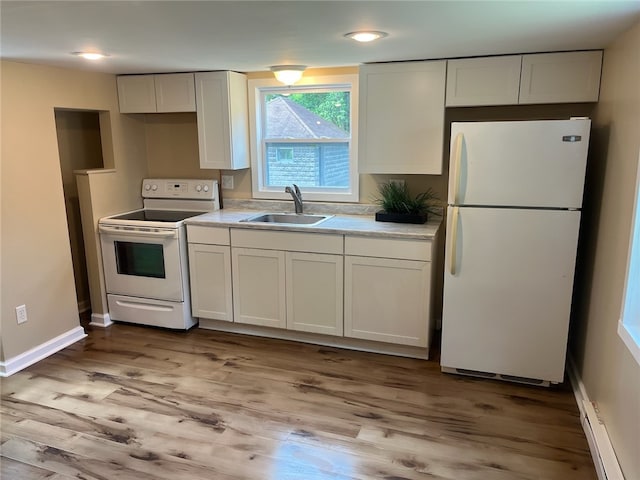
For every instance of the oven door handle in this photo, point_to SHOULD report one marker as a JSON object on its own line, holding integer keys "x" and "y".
{"x": 138, "y": 233}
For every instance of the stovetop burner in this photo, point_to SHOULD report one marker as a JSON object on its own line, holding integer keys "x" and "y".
{"x": 157, "y": 215}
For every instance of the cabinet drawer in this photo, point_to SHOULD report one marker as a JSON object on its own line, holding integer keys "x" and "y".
{"x": 389, "y": 248}
{"x": 207, "y": 235}
{"x": 290, "y": 241}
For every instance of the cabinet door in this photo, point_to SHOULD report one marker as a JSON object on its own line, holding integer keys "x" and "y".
{"x": 402, "y": 117}
{"x": 136, "y": 94}
{"x": 564, "y": 77}
{"x": 210, "y": 275}
{"x": 223, "y": 125}
{"x": 175, "y": 92}
{"x": 259, "y": 287}
{"x": 314, "y": 293}
{"x": 483, "y": 81}
{"x": 387, "y": 300}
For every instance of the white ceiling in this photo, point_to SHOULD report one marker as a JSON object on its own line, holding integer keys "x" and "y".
{"x": 174, "y": 36}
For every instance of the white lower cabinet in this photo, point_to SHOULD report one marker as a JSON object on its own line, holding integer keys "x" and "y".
{"x": 314, "y": 286}
{"x": 387, "y": 300}
{"x": 259, "y": 287}
{"x": 210, "y": 275}
{"x": 210, "y": 272}
{"x": 387, "y": 290}
{"x": 289, "y": 280}
{"x": 376, "y": 289}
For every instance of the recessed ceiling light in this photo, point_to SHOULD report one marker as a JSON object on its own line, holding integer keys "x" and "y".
{"x": 366, "y": 36}
{"x": 90, "y": 55}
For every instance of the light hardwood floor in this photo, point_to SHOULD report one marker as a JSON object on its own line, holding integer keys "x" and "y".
{"x": 140, "y": 403}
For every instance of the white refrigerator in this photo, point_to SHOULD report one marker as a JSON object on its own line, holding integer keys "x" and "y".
{"x": 513, "y": 216}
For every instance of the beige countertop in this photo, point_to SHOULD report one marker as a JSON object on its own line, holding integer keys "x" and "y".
{"x": 361, "y": 225}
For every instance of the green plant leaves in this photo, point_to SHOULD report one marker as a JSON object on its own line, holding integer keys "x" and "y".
{"x": 395, "y": 198}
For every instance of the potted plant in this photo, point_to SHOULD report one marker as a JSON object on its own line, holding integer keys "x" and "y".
{"x": 399, "y": 206}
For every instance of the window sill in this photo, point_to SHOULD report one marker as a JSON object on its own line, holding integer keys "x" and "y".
{"x": 631, "y": 337}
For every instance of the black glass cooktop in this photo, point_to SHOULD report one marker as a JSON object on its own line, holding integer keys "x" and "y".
{"x": 157, "y": 215}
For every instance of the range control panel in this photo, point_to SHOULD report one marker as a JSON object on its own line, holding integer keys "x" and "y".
{"x": 179, "y": 188}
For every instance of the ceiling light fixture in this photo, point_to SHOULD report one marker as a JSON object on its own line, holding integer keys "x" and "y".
{"x": 288, "y": 74}
{"x": 366, "y": 36}
{"x": 90, "y": 55}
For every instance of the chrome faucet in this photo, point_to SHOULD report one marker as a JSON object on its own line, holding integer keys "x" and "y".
{"x": 297, "y": 197}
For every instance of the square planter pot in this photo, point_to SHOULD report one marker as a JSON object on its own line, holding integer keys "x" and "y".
{"x": 383, "y": 216}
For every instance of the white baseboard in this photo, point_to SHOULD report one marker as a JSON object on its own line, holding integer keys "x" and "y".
{"x": 102, "y": 320}
{"x": 22, "y": 361}
{"x": 602, "y": 452}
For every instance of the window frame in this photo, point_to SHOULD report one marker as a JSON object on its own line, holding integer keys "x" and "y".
{"x": 258, "y": 167}
{"x": 629, "y": 323}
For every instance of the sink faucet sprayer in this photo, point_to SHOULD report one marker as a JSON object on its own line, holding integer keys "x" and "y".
{"x": 297, "y": 197}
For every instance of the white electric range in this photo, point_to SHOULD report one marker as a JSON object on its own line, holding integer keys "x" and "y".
{"x": 144, "y": 253}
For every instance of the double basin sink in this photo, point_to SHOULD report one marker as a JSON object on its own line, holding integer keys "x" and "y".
{"x": 288, "y": 218}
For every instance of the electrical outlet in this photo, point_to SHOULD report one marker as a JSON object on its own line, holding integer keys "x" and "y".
{"x": 21, "y": 313}
{"x": 227, "y": 182}
{"x": 397, "y": 181}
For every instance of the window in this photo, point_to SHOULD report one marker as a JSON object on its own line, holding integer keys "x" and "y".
{"x": 284, "y": 154}
{"x": 629, "y": 326}
{"x": 302, "y": 134}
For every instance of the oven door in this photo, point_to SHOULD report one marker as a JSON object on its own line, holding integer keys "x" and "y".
{"x": 142, "y": 262}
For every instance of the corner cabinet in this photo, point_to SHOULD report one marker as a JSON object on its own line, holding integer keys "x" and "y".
{"x": 210, "y": 272}
{"x": 401, "y": 118}
{"x": 561, "y": 77}
{"x": 174, "y": 92}
{"x": 223, "y": 120}
{"x": 388, "y": 290}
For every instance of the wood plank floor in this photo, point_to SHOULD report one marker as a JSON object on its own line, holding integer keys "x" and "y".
{"x": 141, "y": 403}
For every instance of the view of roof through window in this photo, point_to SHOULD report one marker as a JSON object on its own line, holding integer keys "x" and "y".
{"x": 307, "y": 137}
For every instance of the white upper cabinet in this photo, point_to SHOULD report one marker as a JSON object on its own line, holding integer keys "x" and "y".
{"x": 562, "y": 77}
{"x": 136, "y": 94}
{"x": 223, "y": 120}
{"x": 402, "y": 117}
{"x": 565, "y": 77}
{"x": 483, "y": 81}
{"x": 174, "y": 92}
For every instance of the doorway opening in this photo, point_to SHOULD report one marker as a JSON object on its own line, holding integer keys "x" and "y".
{"x": 79, "y": 148}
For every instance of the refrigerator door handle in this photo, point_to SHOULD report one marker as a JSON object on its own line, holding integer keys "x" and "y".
{"x": 454, "y": 240}
{"x": 456, "y": 157}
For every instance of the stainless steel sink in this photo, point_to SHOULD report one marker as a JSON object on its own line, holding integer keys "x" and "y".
{"x": 288, "y": 218}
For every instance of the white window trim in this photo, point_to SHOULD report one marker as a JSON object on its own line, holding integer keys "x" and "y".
{"x": 255, "y": 86}
{"x": 629, "y": 324}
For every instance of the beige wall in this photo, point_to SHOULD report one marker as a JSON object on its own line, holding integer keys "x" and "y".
{"x": 609, "y": 372}
{"x": 36, "y": 259}
{"x": 79, "y": 147}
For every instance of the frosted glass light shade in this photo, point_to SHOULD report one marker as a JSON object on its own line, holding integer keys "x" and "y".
{"x": 288, "y": 74}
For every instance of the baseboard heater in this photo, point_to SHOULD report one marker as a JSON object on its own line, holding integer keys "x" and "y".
{"x": 604, "y": 457}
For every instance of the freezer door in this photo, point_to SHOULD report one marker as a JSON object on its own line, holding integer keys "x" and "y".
{"x": 527, "y": 163}
{"x": 507, "y": 290}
